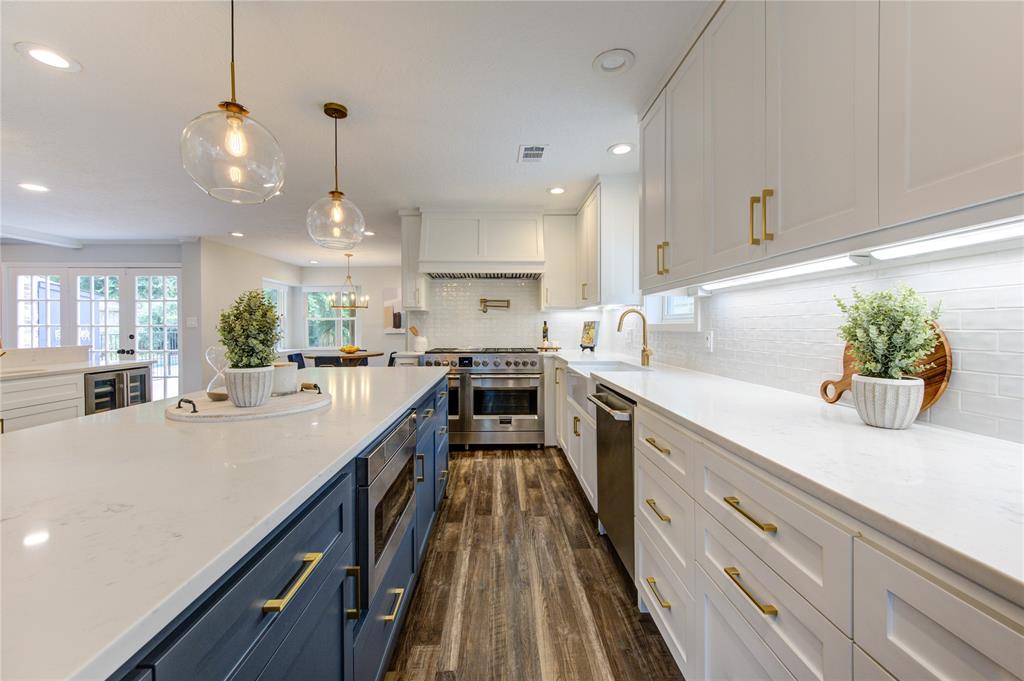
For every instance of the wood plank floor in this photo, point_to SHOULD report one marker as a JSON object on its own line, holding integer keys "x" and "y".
{"x": 517, "y": 585}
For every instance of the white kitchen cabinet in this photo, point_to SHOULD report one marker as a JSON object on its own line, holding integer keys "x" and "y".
{"x": 734, "y": 134}
{"x": 414, "y": 284}
{"x": 481, "y": 241}
{"x": 573, "y": 436}
{"x": 561, "y": 405}
{"x": 653, "y": 205}
{"x": 866, "y": 669}
{"x": 27, "y": 402}
{"x": 606, "y": 242}
{"x": 582, "y": 451}
{"x": 671, "y": 605}
{"x": 558, "y": 283}
{"x": 40, "y": 414}
{"x": 951, "y": 104}
{"x": 821, "y": 123}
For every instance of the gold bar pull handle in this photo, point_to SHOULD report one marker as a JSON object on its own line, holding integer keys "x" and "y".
{"x": 764, "y": 527}
{"x": 353, "y": 613}
{"x": 657, "y": 258}
{"x": 654, "y": 443}
{"x": 662, "y": 267}
{"x": 765, "y": 234}
{"x": 576, "y": 426}
{"x": 765, "y": 608}
{"x": 278, "y": 604}
{"x": 583, "y": 290}
{"x": 398, "y": 604}
{"x": 557, "y": 369}
{"x": 754, "y": 200}
{"x": 661, "y": 516}
{"x": 653, "y": 583}
{"x": 422, "y": 458}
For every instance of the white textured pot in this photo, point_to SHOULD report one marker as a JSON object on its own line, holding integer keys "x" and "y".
{"x": 249, "y": 387}
{"x": 888, "y": 402}
{"x": 286, "y": 378}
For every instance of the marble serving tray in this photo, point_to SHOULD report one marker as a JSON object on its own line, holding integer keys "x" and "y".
{"x": 206, "y": 410}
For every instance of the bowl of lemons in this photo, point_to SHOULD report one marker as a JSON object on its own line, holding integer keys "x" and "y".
{"x": 349, "y": 349}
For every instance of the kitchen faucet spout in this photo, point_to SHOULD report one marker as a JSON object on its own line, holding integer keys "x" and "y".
{"x": 645, "y": 353}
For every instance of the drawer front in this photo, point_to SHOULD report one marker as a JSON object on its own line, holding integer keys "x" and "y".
{"x": 800, "y": 636}
{"x": 666, "y": 513}
{"x": 809, "y": 552}
{"x": 866, "y": 669}
{"x": 729, "y": 648}
{"x": 218, "y": 639}
{"x": 27, "y": 392}
{"x": 40, "y": 414}
{"x": 378, "y": 632}
{"x": 441, "y": 469}
{"x": 918, "y": 630}
{"x": 670, "y": 603}
{"x": 668, "y": 446}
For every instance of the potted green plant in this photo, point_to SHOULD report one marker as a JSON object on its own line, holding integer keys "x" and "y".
{"x": 889, "y": 333}
{"x": 249, "y": 332}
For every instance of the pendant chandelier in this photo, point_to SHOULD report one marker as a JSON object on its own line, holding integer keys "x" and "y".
{"x": 228, "y": 154}
{"x": 350, "y": 298}
{"x": 334, "y": 221}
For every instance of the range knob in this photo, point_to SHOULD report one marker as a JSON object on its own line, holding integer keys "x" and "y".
{"x": 476, "y": 362}
{"x": 533, "y": 362}
{"x": 437, "y": 362}
{"x": 516, "y": 362}
{"x": 486, "y": 363}
{"x": 508, "y": 362}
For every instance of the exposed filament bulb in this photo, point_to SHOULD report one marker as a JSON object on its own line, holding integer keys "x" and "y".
{"x": 337, "y": 214}
{"x": 235, "y": 141}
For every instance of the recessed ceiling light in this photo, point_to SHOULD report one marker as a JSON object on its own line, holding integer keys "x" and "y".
{"x": 369, "y": 233}
{"x": 33, "y": 187}
{"x": 614, "y": 61}
{"x": 48, "y": 56}
{"x": 556, "y": 190}
{"x": 314, "y": 262}
{"x": 239, "y": 234}
{"x": 35, "y": 538}
{"x": 620, "y": 149}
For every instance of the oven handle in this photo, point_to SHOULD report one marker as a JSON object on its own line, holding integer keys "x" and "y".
{"x": 617, "y": 414}
{"x": 474, "y": 377}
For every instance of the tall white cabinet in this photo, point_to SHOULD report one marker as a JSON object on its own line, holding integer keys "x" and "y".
{"x": 558, "y": 283}
{"x": 414, "y": 284}
{"x": 606, "y": 233}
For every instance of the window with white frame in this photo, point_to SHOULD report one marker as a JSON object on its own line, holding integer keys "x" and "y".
{"x": 37, "y": 306}
{"x": 327, "y": 327}
{"x": 278, "y": 295}
{"x": 674, "y": 308}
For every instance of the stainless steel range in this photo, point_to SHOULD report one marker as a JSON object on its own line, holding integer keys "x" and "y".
{"x": 495, "y": 395}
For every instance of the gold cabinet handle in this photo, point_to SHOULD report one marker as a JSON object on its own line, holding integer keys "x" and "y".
{"x": 353, "y": 613}
{"x": 422, "y": 458}
{"x": 557, "y": 369}
{"x": 443, "y": 430}
{"x": 662, "y": 267}
{"x": 661, "y": 516}
{"x": 653, "y": 583}
{"x": 427, "y": 413}
{"x": 765, "y": 234}
{"x": 654, "y": 443}
{"x": 583, "y": 290}
{"x": 764, "y": 527}
{"x": 444, "y": 474}
{"x": 576, "y": 426}
{"x": 754, "y": 200}
{"x": 657, "y": 259}
{"x": 1, "y": 426}
{"x": 765, "y": 608}
{"x": 278, "y": 604}
{"x": 398, "y": 604}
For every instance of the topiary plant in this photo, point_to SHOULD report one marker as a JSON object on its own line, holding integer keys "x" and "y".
{"x": 249, "y": 331}
{"x": 890, "y": 332}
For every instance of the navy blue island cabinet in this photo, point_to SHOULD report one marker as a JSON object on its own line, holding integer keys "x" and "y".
{"x": 301, "y": 605}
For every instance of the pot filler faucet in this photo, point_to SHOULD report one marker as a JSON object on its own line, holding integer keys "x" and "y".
{"x": 645, "y": 353}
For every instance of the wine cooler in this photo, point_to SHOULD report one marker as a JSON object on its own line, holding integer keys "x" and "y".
{"x": 109, "y": 390}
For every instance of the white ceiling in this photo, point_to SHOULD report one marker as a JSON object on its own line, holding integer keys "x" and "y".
{"x": 440, "y": 96}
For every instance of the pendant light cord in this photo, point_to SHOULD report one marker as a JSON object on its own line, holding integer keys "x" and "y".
{"x": 233, "y": 51}
{"x": 335, "y": 154}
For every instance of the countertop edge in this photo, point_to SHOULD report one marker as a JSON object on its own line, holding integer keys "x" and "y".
{"x": 109, "y": 660}
{"x": 983, "y": 574}
{"x": 74, "y": 368}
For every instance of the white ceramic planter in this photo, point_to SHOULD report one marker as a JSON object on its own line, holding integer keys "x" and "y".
{"x": 888, "y": 402}
{"x": 249, "y": 387}
{"x": 286, "y": 378}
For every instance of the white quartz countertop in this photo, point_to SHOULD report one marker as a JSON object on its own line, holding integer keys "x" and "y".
{"x": 36, "y": 371}
{"x": 956, "y": 497}
{"x": 112, "y": 524}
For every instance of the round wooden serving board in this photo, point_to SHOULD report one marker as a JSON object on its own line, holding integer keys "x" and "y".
{"x": 935, "y": 379}
{"x": 223, "y": 411}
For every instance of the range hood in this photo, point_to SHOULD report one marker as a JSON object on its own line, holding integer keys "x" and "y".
{"x": 481, "y": 244}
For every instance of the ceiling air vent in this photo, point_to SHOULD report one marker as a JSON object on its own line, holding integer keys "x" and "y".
{"x": 531, "y": 153}
{"x": 484, "y": 275}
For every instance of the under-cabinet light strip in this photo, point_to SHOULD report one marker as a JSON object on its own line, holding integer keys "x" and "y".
{"x": 784, "y": 272}
{"x": 1012, "y": 228}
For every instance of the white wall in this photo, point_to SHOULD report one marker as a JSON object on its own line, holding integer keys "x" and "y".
{"x": 370, "y": 322}
{"x": 784, "y": 335}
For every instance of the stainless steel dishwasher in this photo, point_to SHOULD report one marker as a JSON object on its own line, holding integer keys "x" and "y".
{"x": 615, "y": 470}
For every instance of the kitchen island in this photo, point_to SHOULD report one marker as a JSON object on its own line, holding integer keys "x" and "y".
{"x": 115, "y": 524}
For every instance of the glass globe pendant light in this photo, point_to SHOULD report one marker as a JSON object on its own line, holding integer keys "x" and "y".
{"x": 350, "y": 298}
{"x": 334, "y": 221}
{"x": 228, "y": 154}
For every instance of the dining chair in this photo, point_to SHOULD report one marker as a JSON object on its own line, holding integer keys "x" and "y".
{"x": 298, "y": 359}
{"x": 327, "y": 361}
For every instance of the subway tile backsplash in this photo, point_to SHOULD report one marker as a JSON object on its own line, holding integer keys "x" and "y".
{"x": 784, "y": 334}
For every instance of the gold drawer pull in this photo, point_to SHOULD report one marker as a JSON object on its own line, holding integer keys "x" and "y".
{"x": 427, "y": 413}
{"x": 766, "y": 609}
{"x": 353, "y": 613}
{"x": 444, "y": 474}
{"x": 583, "y": 290}
{"x": 576, "y": 426}
{"x": 423, "y": 459}
{"x": 654, "y": 443}
{"x": 557, "y": 369}
{"x": 662, "y": 267}
{"x": 398, "y": 604}
{"x": 661, "y": 516}
{"x": 278, "y": 604}
{"x": 764, "y": 527}
{"x": 765, "y": 234}
{"x": 754, "y": 200}
{"x": 653, "y": 583}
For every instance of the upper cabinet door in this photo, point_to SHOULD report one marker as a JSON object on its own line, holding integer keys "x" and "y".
{"x": 822, "y": 122}
{"x": 559, "y": 283}
{"x": 652, "y": 195}
{"x": 951, "y": 106}
{"x": 588, "y": 273}
{"x": 734, "y": 140}
{"x": 682, "y": 254}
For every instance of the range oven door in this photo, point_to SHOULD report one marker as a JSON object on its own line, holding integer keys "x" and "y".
{"x": 386, "y": 506}
{"x": 506, "y": 403}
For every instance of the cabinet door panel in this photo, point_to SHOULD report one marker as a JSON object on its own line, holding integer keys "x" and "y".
{"x": 685, "y": 226}
{"x": 822, "y": 121}
{"x": 734, "y": 141}
{"x": 950, "y": 106}
{"x": 425, "y": 488}
{"x": 652, "y": 193}
{"x": 558, "y": 286}
{"x": 588, "y": 461}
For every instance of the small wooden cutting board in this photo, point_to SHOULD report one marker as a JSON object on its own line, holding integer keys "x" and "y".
{"x": 935, "y": 379}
